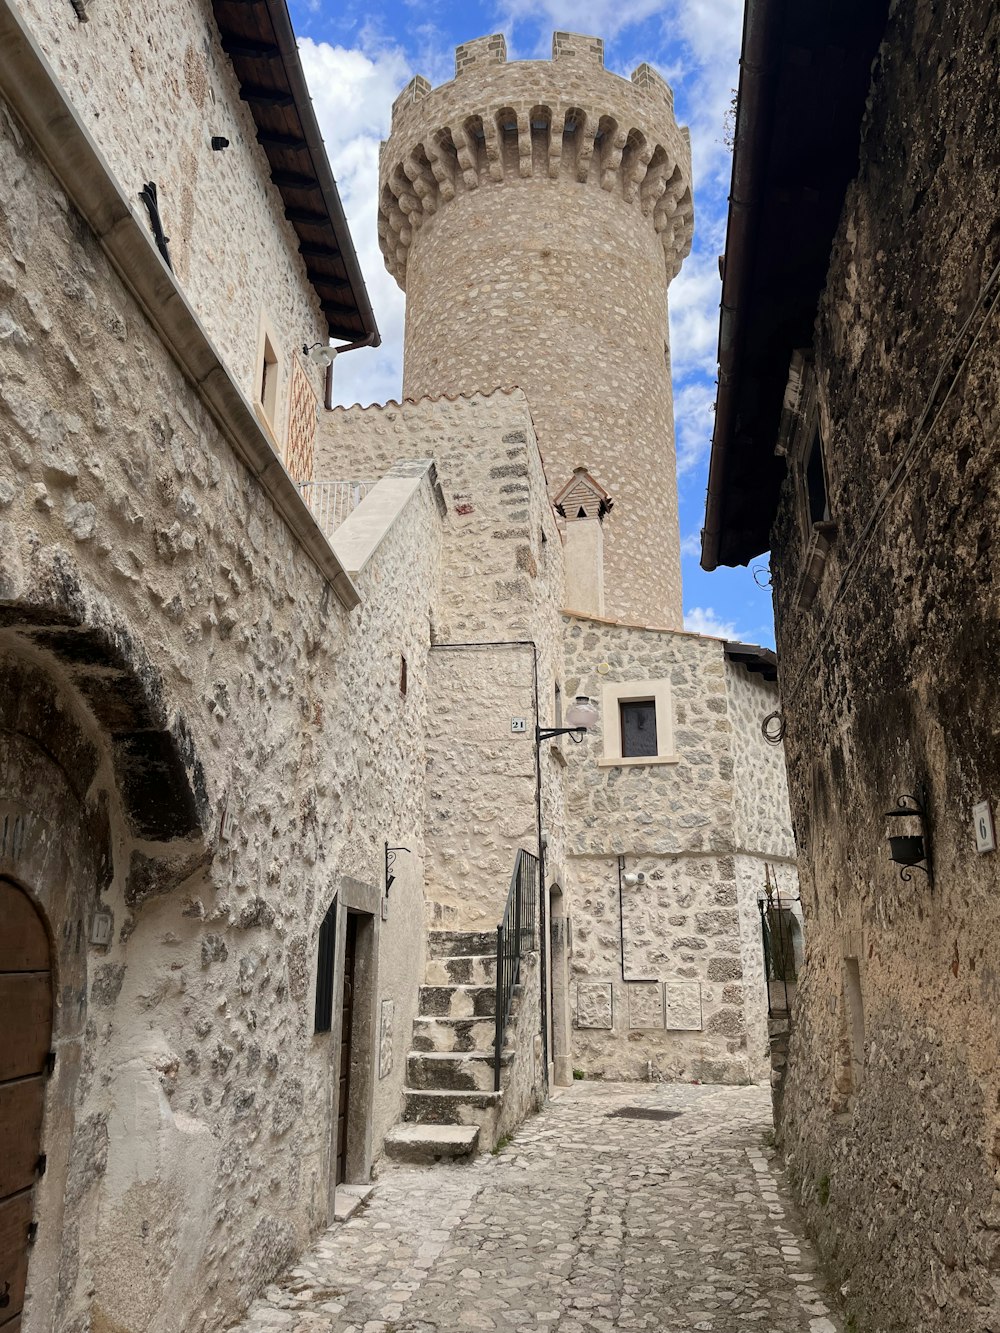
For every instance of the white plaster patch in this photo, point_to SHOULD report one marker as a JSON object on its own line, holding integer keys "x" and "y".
{"x": 594, "y": 1005}
{"x": 682, "y": 1004}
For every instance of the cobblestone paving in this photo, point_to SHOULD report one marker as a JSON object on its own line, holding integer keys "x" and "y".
{"x": 586, "y": 1222}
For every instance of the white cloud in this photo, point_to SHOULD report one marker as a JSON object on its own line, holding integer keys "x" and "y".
{"x": 694, "y": 315}
{"x": 601, "y": 18}
{"x": 704, "y": 620}
{"x": 694, "y": 417}
{"x": 691, "y": 544}
{"x": 353, "y": 92}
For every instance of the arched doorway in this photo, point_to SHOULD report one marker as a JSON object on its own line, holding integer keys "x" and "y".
{"x": 25, "y": 1043}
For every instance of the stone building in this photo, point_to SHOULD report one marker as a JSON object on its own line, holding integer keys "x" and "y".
{"x": 270, "y": 674}
{"x": 534, "y": 213}
{"x": 856, "y": 439}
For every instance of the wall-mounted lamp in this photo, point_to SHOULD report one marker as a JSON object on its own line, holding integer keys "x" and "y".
{"x": 219, "y": 143}
{"x": 910, "y": 848}
{"x": 390, "y": 857}
{"x": 581, "y": 716}
{"x": 322, "y": 353}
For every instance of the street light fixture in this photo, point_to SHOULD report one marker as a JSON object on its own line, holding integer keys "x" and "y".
{"x": 581, "y": 715}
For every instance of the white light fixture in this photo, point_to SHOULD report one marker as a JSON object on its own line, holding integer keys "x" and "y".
{"x": 581, "y": 716}
{"x": 322, "y": 353}
{"x": 582, "y": 713}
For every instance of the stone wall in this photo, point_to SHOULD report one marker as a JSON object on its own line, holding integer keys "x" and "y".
{"x": 763, "y": 832}
{"x": 501, "y": 587}
{"x": 666, "y": 977}
{"x": 890, "y": 1113}
{"x": 533, "y": 254}
{"x": 152, "y": 85}
{"x": 169, "y": 618}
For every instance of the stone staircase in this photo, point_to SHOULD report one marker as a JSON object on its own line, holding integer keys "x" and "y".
{"x": 450, "y": 1108}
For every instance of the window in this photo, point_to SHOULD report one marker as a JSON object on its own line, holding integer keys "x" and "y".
{"x": 638, "y": 724}
{"x": 402, "y": 676}
{"x": 814, "y": 476}
{"x": 800, "y": 440}
{"x": 268, "y": 379}
{"x": 267, "y": 389}
{"x": 325, "y": 958}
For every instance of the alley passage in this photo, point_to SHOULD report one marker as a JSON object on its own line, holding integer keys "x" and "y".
{"x": 589, "y": 1220}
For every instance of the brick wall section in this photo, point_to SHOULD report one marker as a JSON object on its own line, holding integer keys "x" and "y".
{"x": 540, "y": 257}
{"x": 152, "y": 85}
{"x": 888, "y": 680}
{"x": 121, "y": 507}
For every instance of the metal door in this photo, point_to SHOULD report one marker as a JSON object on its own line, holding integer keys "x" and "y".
{"x": 346, "y": 1017}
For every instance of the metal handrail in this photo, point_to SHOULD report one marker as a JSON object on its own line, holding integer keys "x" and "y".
{"x": 515, "y": 935}
{"x": 778, "y": 941}
{"x": 333, "y": 501}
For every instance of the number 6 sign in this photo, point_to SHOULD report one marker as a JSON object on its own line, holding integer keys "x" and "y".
{"x": 982, "y": 821}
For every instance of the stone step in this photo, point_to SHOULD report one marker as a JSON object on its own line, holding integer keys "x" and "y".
{"x": 347, "y": 1199}
{"x": 431, "y": 1143}
{"x": 457, "y": 1001}
{"x": 455, "y": 1108}
{"x": 445, "y": 1071}
{"x": 460, "y": 943}
{"x": 453, "y": 1034}
{"x": 464, "y": 970}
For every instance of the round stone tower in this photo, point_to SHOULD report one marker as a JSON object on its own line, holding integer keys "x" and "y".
{"x": 534, "y": 213}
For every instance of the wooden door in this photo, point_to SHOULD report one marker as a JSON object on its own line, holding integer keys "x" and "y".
{"x": 346, "y": 1018}
{"x": 25, "y": 1042}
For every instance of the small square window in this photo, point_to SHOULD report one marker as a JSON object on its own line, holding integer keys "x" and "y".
{"x": 638, "y": 724}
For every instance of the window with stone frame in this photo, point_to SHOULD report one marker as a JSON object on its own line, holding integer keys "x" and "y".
{"x": 801, "y": 441}
{"x": 637, "y": 723}
{"x": 637, "y": 718}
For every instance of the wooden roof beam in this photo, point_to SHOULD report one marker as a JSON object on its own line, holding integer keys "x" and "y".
{"x": 266, "y": 96}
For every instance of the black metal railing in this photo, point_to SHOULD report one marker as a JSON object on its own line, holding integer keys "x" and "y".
{"x": 781, "y": 937}
{"x": 515, "y": 936}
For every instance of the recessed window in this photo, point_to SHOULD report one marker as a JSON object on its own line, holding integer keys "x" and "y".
{"x": 269, "y": 375}
{"x": 269, "y": 379}
{"x": 638, "y": 724}
{"x": 325, "y": 958}
{"x": 814, "y": 476}
{"x": 402, "y": 676}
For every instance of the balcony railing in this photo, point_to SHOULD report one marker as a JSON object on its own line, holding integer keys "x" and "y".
{"x": 333, "y": 501}
{"x": 515, "y": 937}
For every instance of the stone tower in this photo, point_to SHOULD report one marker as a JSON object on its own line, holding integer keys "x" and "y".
{"x": 534, "y": 213}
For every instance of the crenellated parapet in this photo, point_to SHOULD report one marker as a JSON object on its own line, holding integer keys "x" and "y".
{"x": 568, "y": 122}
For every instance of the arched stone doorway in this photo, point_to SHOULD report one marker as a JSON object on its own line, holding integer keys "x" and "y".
{"x": 25, "y": 1043}
{"x": 102, "y": 814}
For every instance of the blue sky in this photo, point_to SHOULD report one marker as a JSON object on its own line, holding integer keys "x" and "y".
{"x": 357, "y": 56}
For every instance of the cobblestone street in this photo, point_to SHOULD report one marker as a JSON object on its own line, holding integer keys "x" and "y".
{"x": 588, "y": 1221}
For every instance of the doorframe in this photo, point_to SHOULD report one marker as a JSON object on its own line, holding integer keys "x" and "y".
{"x": 362, "y": 901}
{"x": 557, "y": 941}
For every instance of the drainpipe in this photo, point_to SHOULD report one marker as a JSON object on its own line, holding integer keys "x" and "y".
{"x": 371, "y": 341}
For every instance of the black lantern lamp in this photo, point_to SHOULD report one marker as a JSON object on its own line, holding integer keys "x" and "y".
{"x": 910, "y": 847}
